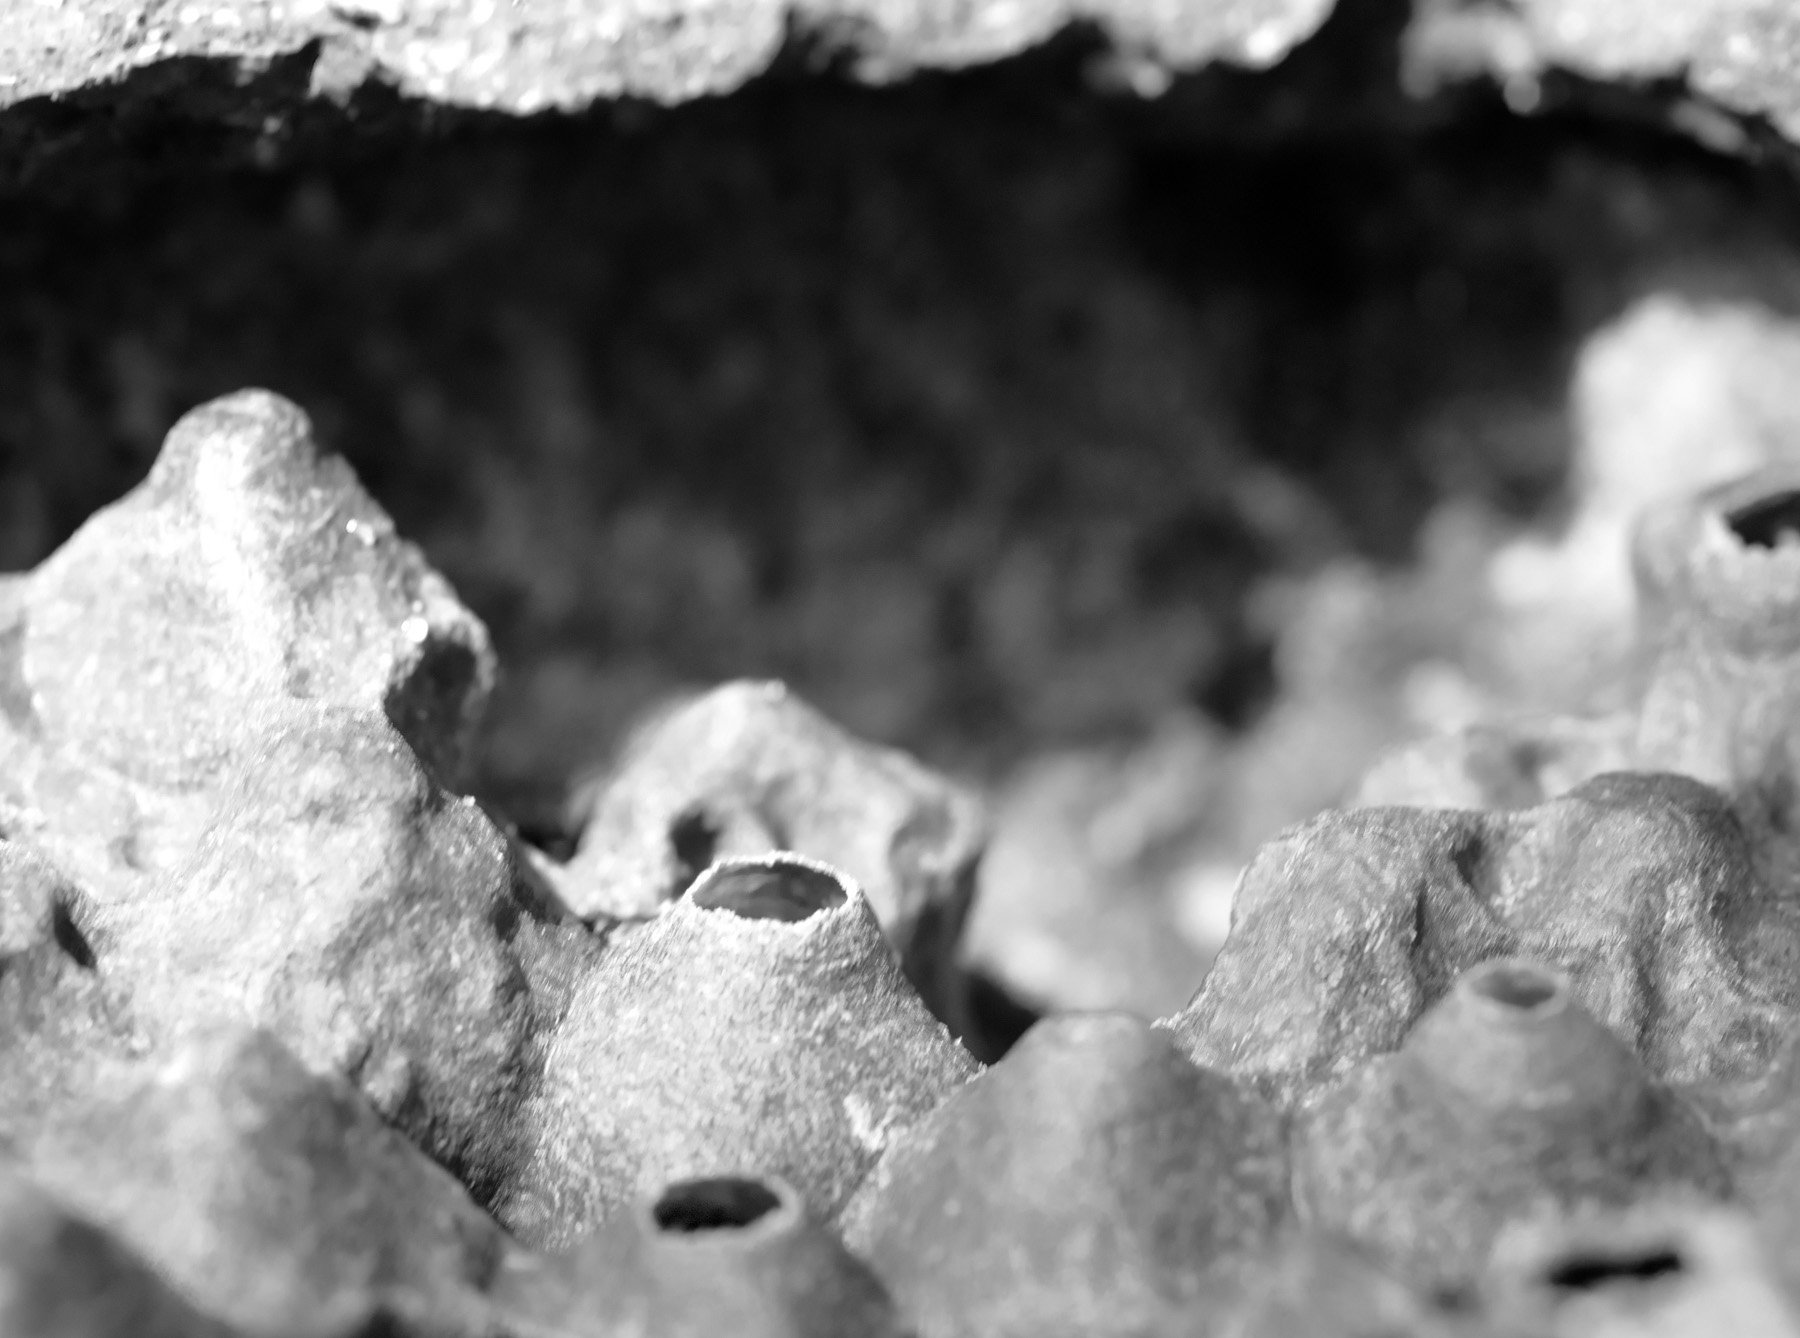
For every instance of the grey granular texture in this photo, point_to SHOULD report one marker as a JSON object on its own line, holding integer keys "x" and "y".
{"x": 228, "y": 700}
{"x": 250, "y": 564}
{"x": 1507, "y": 1101}
{"x": 1313, "y": 1284}
{"x": 761, "y": 1025}
{"x": 382, "y": 928}
{"x": 227, "y": 709}
{"x": 1641, "y": 886}
{"x": 263, "y": 1192}
{"x": 1666, "y": 1267}
{"x": 61, "y": 1276}
{"x": 58, "y": 1020}
{"x": 38, "y": 905}
{"x": 748, "y": 769}
{"x": 1089, "y": 1184}
{"x": 1716, "y": 578}
{"x": 730, "y": 1254}
{"x": 531, "y": 55}
{"x": 1741, "y": 54}
{"x": 138, "y": 661}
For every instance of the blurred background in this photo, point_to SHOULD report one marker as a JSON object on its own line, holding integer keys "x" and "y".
{"x": 1153, "y": 464}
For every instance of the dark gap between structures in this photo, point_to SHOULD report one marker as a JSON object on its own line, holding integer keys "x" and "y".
{"x": 1768, "y": 522}
{"x": 1590, "y": 1272}
{"x": 713, "y": 1205}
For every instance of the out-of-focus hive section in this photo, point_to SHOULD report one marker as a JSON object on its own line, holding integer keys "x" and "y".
{"x": 894, "y": 574}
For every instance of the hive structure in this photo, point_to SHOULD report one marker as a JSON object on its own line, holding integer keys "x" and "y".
{"x": 299, "y": 1041}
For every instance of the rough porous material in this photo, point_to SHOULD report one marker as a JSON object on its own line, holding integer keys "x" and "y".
{"x": 1670, "y": 1266}
{"x": 1737, "y": 54}
{"x": 299, "y": 1043}
{"x": 1641, "y": 886}
{"x": 539, "y": 54}
{"x": 250, "y": 564}
{"x": 1717, "y": 578}
{"x": 300, "y": 951}
{"x": 261, "y": 1191}
{"x": 1720, "y": 582}
{"x": 749, "y": 769}
{"x": 565, "y": 54}
{"x": 1313, "y": 1284}
{"x": 62, "y": 1276}
{"x": 141, "y": 658}
{"x": 1091, "y": 1183}
{"x": 1506, "y": 1101}
{"x": 733, "y": 1254}
{"x": 787, "y": 1043}
{"x": 379, "y": 926}
{"x": 59, "y": 1019}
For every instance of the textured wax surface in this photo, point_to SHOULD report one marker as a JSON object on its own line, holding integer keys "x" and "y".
{"x": 300, "y": 1038}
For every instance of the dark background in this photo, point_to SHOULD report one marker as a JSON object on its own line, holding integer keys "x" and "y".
{"x": 977, "y": 406}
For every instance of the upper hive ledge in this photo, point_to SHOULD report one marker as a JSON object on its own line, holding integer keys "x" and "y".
{"x": 523, "y": 56}
{"x": 1733, "y": 58}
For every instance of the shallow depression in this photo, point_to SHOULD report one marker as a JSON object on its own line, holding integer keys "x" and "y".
{"x": 783, "y": 891}
{"x": 1521, "y": 987}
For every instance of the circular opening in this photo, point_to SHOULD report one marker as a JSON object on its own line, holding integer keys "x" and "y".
{"x": 1516, "y": 986}
{"x": 777, "y": 891}
{"x": 726, "y": 1204}
{"x": 1768, "y": 522}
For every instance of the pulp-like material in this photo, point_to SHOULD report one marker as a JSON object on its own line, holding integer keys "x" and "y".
{"x": 63, "y": 1277}
{"x": 1736, "y": 54}
{"x": 1088, "y": 1184}
{"x": 1641, "y": 886}
{"x": 1665, "y": 1268}
{"x": 731, "y": 1254}
{"x": 537, "y": 54}
{"x": 261, "y": 1191}
{"x": 1506, "y": 1101}
{"x": 379, "y": 926}
{"x": 748, "y": 769}
{"x": 761, "y": 1025}
{"x": 259, "y": 967}
{"x": 249, "y": 564}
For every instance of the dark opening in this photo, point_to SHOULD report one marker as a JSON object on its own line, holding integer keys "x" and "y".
{"x": 1242, "y": 687}
{"x": 1585, "y": 1272}
{"x": 1516, "y": 985}
{"x": 694, "y": 837}
{"x": 427, "y": 705}
{"x": 1768, "y": 522}
{"x": 997, "y": 1019}
{"x": 554, "y": 839}
{"x": 70, "y": 938}
{"x": 789, "y": 892}
{"x": 714, "y": 1205}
